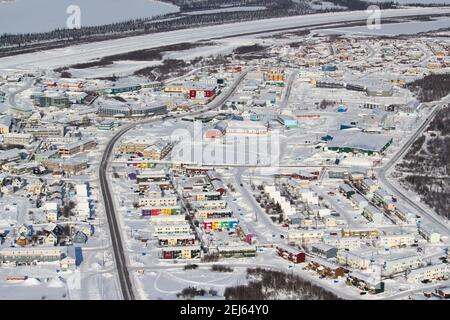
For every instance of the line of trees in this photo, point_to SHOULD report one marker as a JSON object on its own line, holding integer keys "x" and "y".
{"x": 270, "y": 285}
{"x": 432, "y": 87}
{"x": 427, "y": 167}
{"x": 10, "y": 43}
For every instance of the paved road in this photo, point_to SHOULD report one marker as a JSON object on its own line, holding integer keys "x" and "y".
{"x": 12, "y": 96}
{"x": 440, "y": 225}
{"x": 287, "y": 95}
{"x": 260, "y": 214}
{"x": 114, "y": 226}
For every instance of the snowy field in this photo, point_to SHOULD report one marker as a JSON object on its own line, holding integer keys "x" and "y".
{"x": 34, "y": 289}
{"x": 165, "y": 284}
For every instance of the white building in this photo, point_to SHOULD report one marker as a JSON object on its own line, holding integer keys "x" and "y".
{"x": 165, "y": 220}
{"x": 51, "y": 211}
{"x": 434, "y": 272}
{"x": 83, "y": 209}
{"x": 359, "y": 201}
{"x": 397, "y": 264}
{"x": 308, "y": 196}
{"x": 18, "y": 138}
{"x": 305, "y": 236}
{"x": 160, "y": 201}
{"x": 211, "y": 204}
{"x": 342, "y": 243}
{"x": 372, "y": 214}
{"x": 396, "y": 240}
{"x": 429, "y": 234}
{"x": 369, "y": 186}
{"x": 352, "y": 260}
{"x": 30, "y": 254}
{"x": 172, "y": 228}
{"x": 275, "y": 195}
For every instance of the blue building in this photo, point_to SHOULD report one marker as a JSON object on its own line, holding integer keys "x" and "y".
{"x": 342, "y": 109}
{"x": 329, "y": 67}
{"x": 116, "y": 90}
{"x": 288, "y": 122}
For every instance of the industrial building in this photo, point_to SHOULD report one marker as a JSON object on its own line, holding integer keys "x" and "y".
{"x": 46, "y": 131}
{"x": 52, "y": 99}
{"x": 349, "y": 141}
{"x": 70, "y": 149}
{"x": 24, "y": 139}
{"x": 114, "y": 110}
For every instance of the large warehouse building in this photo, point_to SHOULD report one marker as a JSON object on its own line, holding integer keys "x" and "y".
{"x": 113, "y": 110}
{"x": 360, "y": 142}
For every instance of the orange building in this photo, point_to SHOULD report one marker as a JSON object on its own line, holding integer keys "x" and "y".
{"x": 275, "y": 75}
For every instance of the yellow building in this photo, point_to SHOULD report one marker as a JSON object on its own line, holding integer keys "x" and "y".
{"x": 133, "y": 146}
{"x": 434, "y": 65}
{"x": 158, "y": 151}
{"x": 5, "y": 124}
{"x": 369, "y": 233}
{"x": 275, "y": 75}
{"x": 186, "y": 253}
{"x": 175, "y": 88}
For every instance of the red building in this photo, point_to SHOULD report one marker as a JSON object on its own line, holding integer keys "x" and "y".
{"x": 233, "y": 69}
{"x": 202, "y": 92}
{"x": 291, "y": 254}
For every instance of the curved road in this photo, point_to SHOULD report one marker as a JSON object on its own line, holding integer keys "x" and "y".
{"x": 114, "y": 226}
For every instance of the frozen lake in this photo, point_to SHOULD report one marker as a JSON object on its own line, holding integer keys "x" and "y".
{"x": 23, "y": 16}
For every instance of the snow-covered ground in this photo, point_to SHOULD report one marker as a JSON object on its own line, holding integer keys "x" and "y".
{"x": 82, "y": 53}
